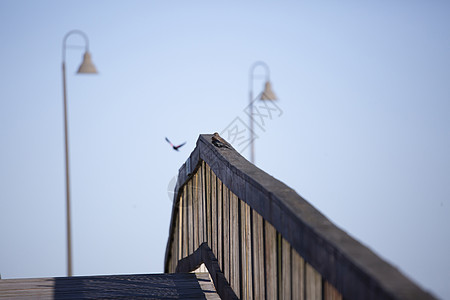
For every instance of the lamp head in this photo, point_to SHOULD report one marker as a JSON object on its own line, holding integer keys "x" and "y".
{"x": 268, "y": 94}
{"x": 87, "y": 67}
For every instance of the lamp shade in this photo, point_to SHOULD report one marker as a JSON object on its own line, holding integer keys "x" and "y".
{"x": 87, "y": 66}
{"x": 268, "y": 94}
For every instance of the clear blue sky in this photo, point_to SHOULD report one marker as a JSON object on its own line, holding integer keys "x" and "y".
{"x": 364, "y": 133}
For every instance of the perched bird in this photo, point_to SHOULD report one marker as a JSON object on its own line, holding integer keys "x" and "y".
{"x": 173, "y": 146}
{"x": 218, "y": 141}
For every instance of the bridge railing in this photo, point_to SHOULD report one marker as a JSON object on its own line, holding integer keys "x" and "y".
{"x": 259, "y": 237}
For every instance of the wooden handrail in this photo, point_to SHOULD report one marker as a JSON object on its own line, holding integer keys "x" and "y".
{"x": 280, "y": 238}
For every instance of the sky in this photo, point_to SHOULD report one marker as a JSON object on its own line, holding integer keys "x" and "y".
{"x": 361, "y": 129}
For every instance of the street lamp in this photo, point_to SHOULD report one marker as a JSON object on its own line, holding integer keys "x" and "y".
{"x": 266, "y": 94}
{"x": 86, "y": 67}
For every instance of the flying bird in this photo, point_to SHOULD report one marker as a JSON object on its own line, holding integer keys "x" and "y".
{"x": 173, "y": 146}
{"x": 218, "y": 141}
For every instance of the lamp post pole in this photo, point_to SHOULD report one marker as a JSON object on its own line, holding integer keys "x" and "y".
{"x": 86, "y": 67}
{"x": 267, "y": 94}
{"x": 66, "y": 143}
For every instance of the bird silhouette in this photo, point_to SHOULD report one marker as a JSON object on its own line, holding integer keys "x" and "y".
{"x": 173, "y": 146}
{"x": 218, "y": 141}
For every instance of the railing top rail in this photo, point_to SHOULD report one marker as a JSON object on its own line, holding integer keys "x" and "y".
{"x": 338, "y": 257}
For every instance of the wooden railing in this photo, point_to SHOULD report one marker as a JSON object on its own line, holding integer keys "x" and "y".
{"x": 259, "y": 237}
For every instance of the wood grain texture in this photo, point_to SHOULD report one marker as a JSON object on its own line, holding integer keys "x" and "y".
{"x": 226, "y": 232}
{"x": 144, "y": 286}
{"x": 248, "y": 251}
{"x": 298, "y": 276}
{"x": 313, "y": 284}
{"x": 271, "y": 279}
{"x": 243, "y": 263}
{"x": 208, "y": 203}
{"x": 190, "y": 218}
{"x": 203, "y": 191}
{"x": 200, "y": 208}
{"x": 195, "y": 210}
{"x": 185, "y": 226}
{"x": 235, "y": 276}
{"x": 286, "y": 275}
{"x": 213, "y": 213}
{"x": 219, "y": 223}
{"x": 179, "y": 226}
{"x": 258, "y": 256}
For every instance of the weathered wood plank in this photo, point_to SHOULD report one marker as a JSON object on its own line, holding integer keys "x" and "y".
{"x": 249, "y": 252}
{"x": 298, "y": 280}
{"x": 219, "y": 224}
{"x": 146, "y": 286}
{"x": 286, "y": 275}
{"x": 235, "y": 275}
{"x": 194, "y": 183}
{"x": 258, "y": 256}
{"x": 246, "y": 251}
{"x": 271, "y": 260}
{"x": 179, "y": 226}
{"x": 313, "y": 283}
{"x": 226, "y": 233}
{"x": 208, "y": 203}
{"x": 279, "y": 265}
{"x": 175, "y": 247}
{"x": 243, "y": 258}
{"x": 213, "y": 213}
{"x": 185, "y": 224}
{"x": 204, "y": 207}
{"x": 201, "y": 220}
{"x": 190, "y": 218}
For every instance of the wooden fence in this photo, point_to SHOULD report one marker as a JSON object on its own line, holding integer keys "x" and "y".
{"x": 259, "y": 237}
